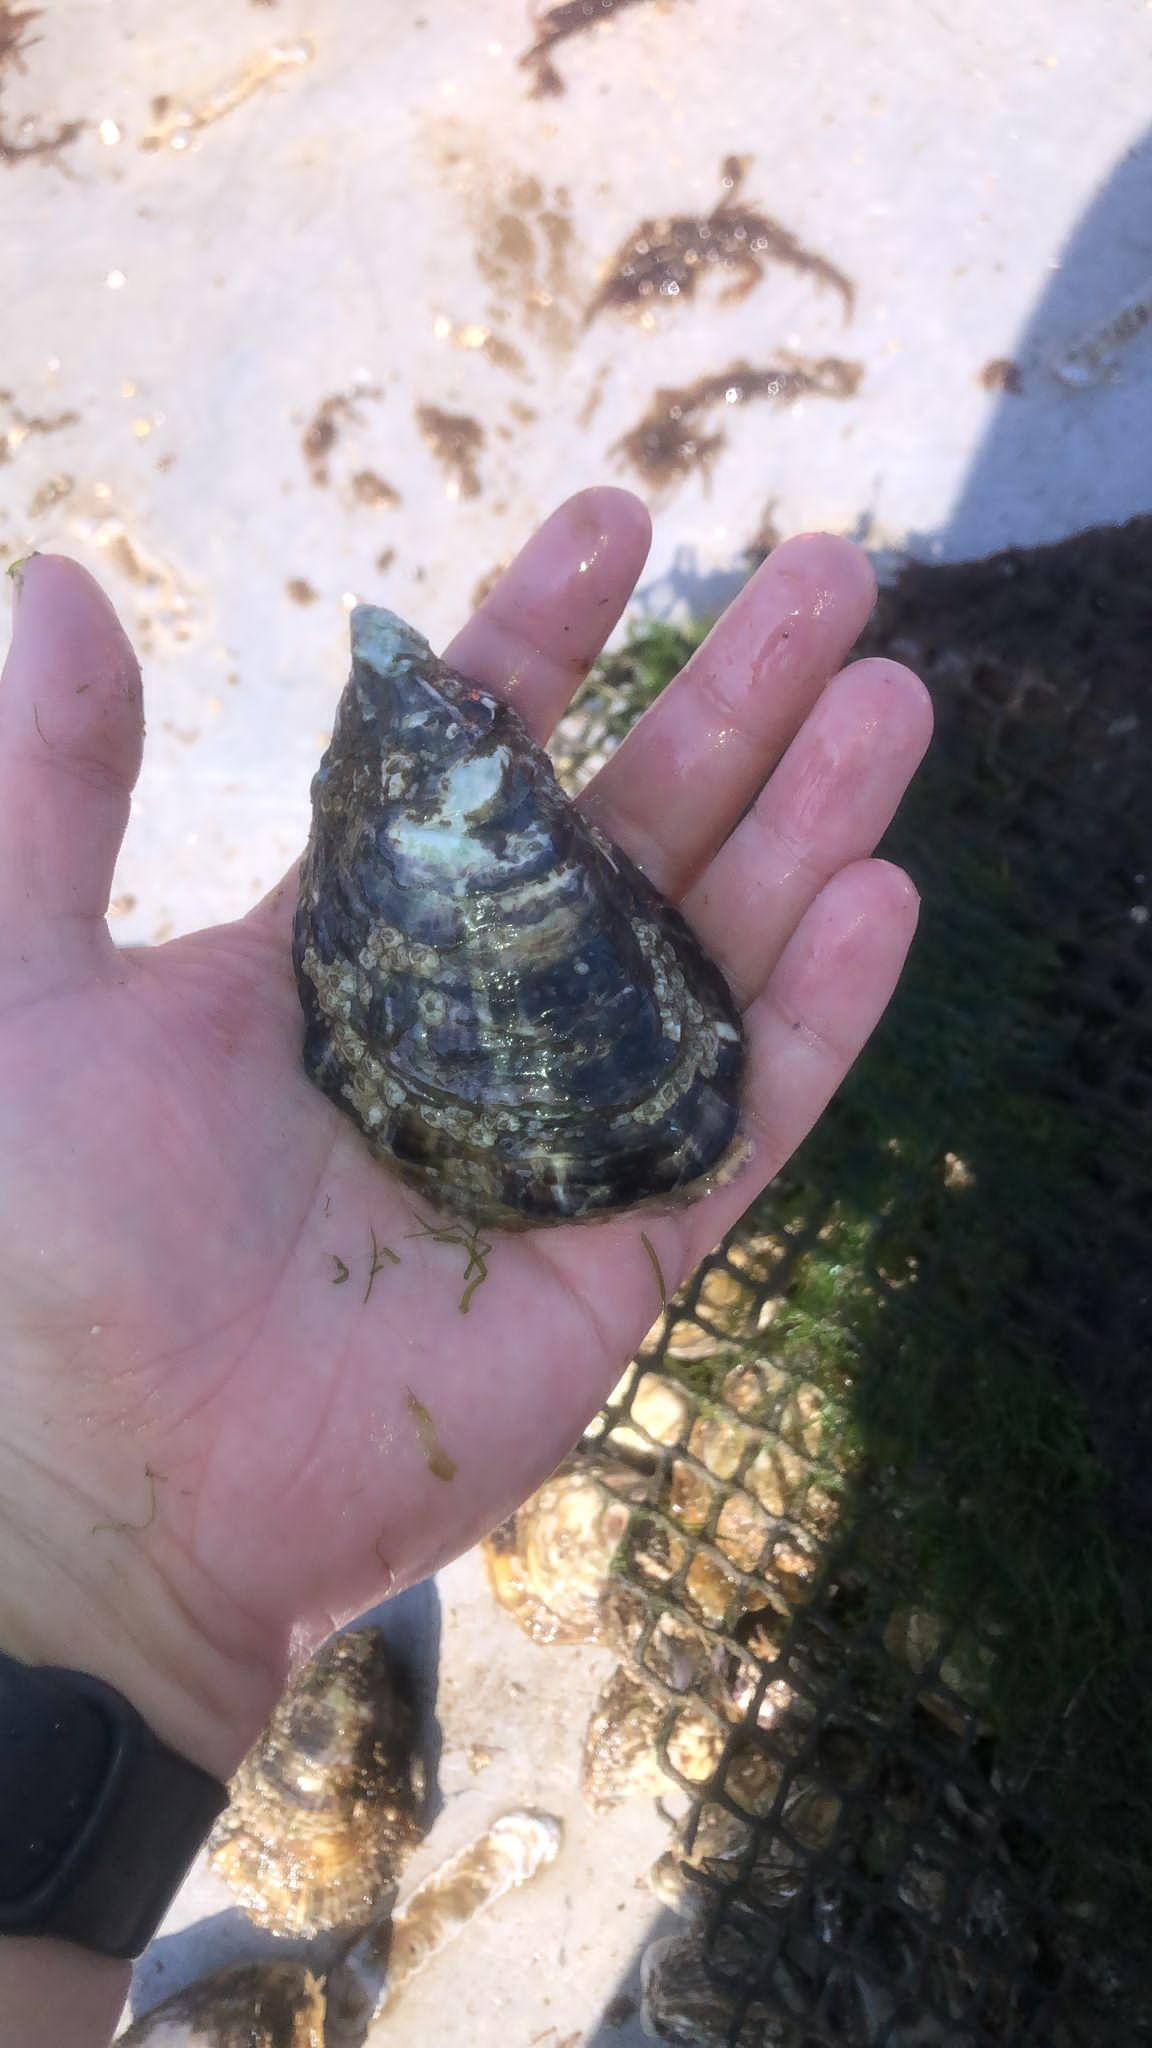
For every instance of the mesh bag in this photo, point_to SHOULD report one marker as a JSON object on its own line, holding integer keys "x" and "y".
{"x": 882, "y": 1597}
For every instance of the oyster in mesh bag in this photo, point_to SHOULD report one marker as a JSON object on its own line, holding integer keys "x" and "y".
{"x": 687, "y": 2003}
{"x": 517, "y": 1022}
{"x": 252, "y": 2005}
{"x": 328, "y": 1804}
{"x": 550, "y": 1562}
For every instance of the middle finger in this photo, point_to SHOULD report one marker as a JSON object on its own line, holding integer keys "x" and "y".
{"x": 685, "y": 774}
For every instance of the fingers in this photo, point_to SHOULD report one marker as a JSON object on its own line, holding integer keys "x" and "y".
{"x": 71, "y": 733}
{"x": 829, "y": 802}
{"x": 540, "y": 628}
{"x": 828, "y": 992}
{"x": 676, "y": 787}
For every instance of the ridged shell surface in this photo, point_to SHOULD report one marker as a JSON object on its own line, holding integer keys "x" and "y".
{"x": 327, "y": 1806}
{"x": 514, "y": 1018}
{"x": 252, "y": 2005}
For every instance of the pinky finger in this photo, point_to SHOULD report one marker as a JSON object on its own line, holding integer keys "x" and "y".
{"x": 825, "y": 997}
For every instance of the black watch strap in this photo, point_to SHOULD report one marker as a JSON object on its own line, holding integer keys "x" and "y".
{"x": 98, "y": 1820}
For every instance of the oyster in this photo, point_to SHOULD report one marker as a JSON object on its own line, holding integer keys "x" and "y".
{"x": 688, "y": 2005}
{"x": 512, "y": 1851}
{"x": 772, "y": 1863}
{"x": 632, "y": 1727}
{"x": 519, "y": 1025}
{"x": 252, "y": 2005}
{"x": 549, "y": 1563}
{"x": 326, "y": 1807}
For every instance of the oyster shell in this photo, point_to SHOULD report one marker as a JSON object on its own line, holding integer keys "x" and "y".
{"x": 685, "y": 2004}
{"x": 517, "y": 1022}
{"x": 329, "y": 1802}
{"x": 772, "y": 1865}
{"x": 252, "y": 2005}
{"x": 631, "y": 1727}
{"x": 549, "y": 1563}
{"x": 508, "y": 1854}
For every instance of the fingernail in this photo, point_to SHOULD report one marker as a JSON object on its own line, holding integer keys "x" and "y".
{"x": 15, "y": 573}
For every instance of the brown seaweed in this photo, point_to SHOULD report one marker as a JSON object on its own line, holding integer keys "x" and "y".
{"x": 671, "y": 440}
{"x": 324, "y": 429}
{"x": 456, "y": 442}
{"x": 571, "y": 18}
{"x": 665, "y": 258}
{"x": 14, "y": 41}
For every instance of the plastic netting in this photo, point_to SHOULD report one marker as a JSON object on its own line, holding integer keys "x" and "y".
{"x": 883, "y": 1601}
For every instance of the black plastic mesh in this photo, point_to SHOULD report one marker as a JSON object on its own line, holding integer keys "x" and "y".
{"x": 885, "y": 1604}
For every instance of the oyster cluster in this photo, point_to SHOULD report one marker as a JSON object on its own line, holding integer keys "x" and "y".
{"x": 328, "y": 1804}
{"x": 517, "y": 1022}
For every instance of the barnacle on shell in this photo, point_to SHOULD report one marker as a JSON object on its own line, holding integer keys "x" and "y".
{"x": 518, "y": 1023}
{"x": 326, "y": 1807}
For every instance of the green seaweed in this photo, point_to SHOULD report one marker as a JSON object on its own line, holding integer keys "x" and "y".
{"x": 381, "y": 1253}
{"x": 468, "y": 1237}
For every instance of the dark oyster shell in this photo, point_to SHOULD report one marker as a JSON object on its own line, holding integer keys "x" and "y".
{"x": 327, "y": 1806}
{"x": 251, "y": 2005}
{"x": 514, "y": 1018}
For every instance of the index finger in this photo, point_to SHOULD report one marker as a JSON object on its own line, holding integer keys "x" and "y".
{"x": 539, "y": 629}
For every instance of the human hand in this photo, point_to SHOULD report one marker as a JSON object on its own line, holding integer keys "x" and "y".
{"x": 209, "y": 1436}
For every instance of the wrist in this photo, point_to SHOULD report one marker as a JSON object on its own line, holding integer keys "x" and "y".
{"x": 124, "y": 1605}
{"x": 56, "y": 1996}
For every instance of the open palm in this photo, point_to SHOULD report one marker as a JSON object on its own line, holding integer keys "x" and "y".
{"x": 239, "y": 1388}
